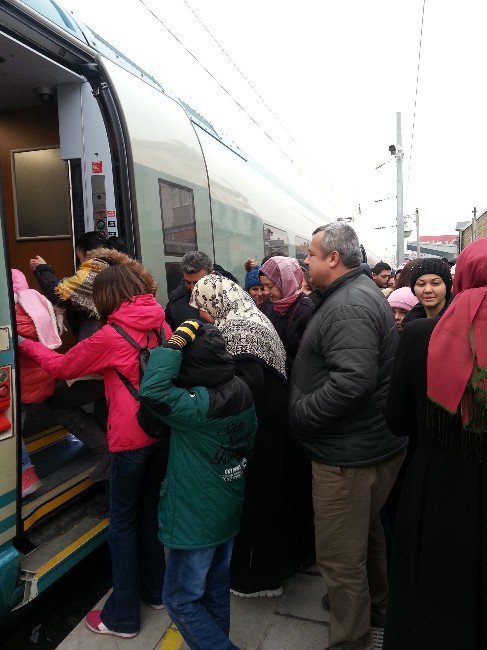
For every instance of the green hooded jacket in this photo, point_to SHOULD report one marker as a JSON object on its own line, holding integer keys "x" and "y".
{"x": 212, "y": 435}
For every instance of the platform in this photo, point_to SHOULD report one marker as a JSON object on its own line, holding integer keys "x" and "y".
{"x": 294, "y": 620}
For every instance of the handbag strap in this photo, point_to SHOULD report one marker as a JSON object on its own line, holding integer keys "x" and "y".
{"x": 126, "y": 382}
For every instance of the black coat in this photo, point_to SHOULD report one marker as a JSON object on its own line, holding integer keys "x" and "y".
{"x": 438, "y": 579}
{"x": 178, "y": 308}
{"x": 82, "y": 323}
{"x": 291, "y": 325}
{"x": 340, "y": 376}
{"x": 276, "y": 526}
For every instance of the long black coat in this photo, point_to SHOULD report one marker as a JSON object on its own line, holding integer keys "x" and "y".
{"x": 276, "y": 526}
{"x": 438, "y": 580}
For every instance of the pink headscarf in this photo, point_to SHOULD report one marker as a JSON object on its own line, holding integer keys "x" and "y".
{"x": 286, "y": 274}
{"x": 38, "y": 308}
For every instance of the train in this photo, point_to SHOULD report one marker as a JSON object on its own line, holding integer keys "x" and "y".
{"x": 90, "y": 141}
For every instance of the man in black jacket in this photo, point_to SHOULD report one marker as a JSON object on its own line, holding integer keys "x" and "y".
{"x": 338, "y": 390}
{"x": 194, "y": 266}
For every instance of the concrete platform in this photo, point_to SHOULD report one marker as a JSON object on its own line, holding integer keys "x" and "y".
{"x": 294, "y": 620}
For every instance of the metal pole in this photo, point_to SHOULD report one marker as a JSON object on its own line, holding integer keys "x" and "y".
{"x": 474, "y": 224}
{"x": 400, "y": 213}
{"x": 418, "y": 245}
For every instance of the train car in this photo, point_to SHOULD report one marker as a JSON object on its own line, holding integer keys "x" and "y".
{"x": 89, "y": 141}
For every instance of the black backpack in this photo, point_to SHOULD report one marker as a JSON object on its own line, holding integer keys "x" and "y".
{"x": 146, "y": 417}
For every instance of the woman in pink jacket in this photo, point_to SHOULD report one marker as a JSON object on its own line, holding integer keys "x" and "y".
{"x": 125, "y": 297}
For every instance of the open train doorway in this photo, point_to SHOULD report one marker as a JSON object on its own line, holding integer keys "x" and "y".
{"x": 57, "y": 181}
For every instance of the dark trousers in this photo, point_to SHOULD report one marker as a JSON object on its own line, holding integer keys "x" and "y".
{"x": 136, "y": 553}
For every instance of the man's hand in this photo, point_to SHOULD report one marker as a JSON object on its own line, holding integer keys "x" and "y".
{"x": 35, "y": 261}
{"x": 184, "y": 334}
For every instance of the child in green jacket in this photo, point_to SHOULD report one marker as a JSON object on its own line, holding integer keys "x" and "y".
{"x": 213, "y": 424}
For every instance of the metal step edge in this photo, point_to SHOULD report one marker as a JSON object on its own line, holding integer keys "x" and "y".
{"x": 45, "y": 439}
{"x": 75, "y": 547}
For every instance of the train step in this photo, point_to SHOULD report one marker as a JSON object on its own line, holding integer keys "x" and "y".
{"x": 62, "y": 551}
{"x": 45, "y": 438}
{"x": 58, "y": 489}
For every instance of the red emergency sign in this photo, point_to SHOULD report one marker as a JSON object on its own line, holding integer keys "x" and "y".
{"x": 97, "y": 167}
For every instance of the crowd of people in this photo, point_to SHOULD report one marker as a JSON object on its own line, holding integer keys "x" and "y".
{"x": 304, "y": 414}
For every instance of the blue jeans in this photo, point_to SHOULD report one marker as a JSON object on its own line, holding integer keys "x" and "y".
{"x": 136, "y": 553}
{"x": 197, "y": 595}
{"x": 26, "y": 462}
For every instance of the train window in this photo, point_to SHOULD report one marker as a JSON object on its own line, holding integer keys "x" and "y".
{"x": 275, "y": 240}
{"x": 302, "y": 246}
{"x": 178, "y": 221}
{"x": 41, "y": 194}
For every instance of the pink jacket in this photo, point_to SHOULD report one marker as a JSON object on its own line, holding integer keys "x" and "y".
{"x": 102, "y": 353}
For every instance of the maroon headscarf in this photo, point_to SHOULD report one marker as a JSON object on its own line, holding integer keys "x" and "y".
{"x": 457, "y": 353}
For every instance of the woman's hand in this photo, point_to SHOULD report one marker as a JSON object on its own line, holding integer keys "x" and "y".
{"x": 35, "y": 261}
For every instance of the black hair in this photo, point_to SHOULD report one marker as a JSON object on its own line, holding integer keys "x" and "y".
{"x": 88, "y": 241}
{"x": 381, "y": 266}
{"x": 116, "y": 244}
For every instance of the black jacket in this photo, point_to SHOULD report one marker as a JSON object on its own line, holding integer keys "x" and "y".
{"x": 178, "y": 308}
{"x": 340, "y": 376}
{"x": 291, "y": 325}
{"x": 418, "y": 311}
{"x": 80, "y": 321}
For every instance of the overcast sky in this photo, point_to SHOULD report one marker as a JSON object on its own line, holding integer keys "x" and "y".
{"x": 333, "y": 73}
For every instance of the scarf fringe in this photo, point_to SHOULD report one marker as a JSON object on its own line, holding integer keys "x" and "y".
{"x": 448, "y": 428}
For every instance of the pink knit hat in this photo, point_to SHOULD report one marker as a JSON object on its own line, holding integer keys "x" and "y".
{"x": 403, "y": 298}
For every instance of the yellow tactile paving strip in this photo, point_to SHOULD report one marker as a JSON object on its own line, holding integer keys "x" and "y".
{"x": 171, "y": 639}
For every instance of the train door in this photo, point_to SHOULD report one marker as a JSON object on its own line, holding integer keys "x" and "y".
{"x": 9, "y": 496}
{"x": 57, "y": 183}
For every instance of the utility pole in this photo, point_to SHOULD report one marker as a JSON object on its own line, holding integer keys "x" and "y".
{"x": 418, "y": 245}
{"x": 400, "y": 212}
{"x": 474, "y": 224}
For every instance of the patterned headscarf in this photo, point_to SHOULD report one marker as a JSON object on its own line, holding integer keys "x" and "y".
{"x": 79, "y": 287}
{"x": 246, "y": 330}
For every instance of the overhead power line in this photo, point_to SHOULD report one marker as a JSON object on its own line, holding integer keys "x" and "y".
{"x": 227, "y": 92}
{"x": 416, "y": 95}
{"x": 249, "y": 83}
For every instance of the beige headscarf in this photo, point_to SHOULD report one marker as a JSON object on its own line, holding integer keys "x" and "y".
{"x": 246, "y": 330}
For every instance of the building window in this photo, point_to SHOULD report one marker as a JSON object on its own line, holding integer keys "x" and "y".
{"x": 41, "y": 194}
{"x": 275, "y": 241}
{"x": 178, "y": 221}
{"x": 302, "y": 246}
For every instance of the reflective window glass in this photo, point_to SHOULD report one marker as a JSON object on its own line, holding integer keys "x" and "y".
{"x": 302, "y": 246}
{"x": 178, "y": 221}
{"x": 41, "y": 193}
{"x": 275, "y": 240}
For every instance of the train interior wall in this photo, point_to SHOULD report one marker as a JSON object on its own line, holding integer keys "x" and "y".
{"x": 30, "y": 128}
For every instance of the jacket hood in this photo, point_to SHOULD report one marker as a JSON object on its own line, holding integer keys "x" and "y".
{"x": 142, "y": 313}
{"x": 112, "y": 257}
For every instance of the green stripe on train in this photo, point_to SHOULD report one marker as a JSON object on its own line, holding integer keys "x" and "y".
{"x": 7, "y": 498}
{"x": 7, "y": 523}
